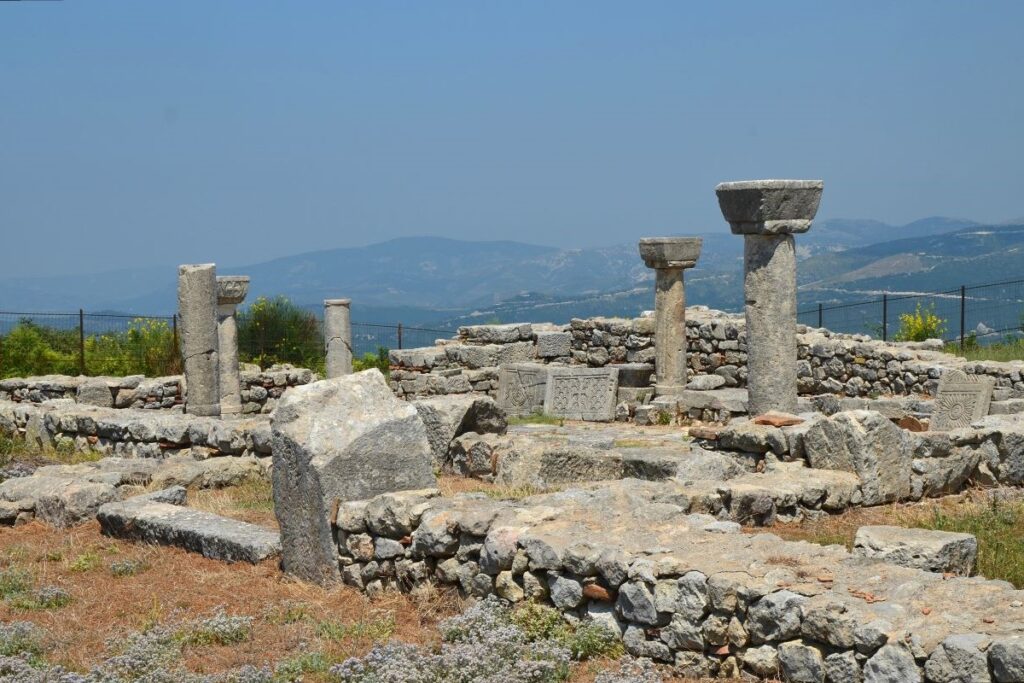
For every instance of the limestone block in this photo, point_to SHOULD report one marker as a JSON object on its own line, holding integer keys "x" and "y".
{"x": 866, "y": 443}
{"x": 342, "y": 439}
{"x": 96, "y": 392}
{"x": 933, "y": 551}
{"x": 581, "y": 394}
{"x": 446, "y": 417}
{"x": 554, "y": 344}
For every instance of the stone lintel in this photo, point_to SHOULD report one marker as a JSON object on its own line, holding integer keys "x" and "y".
{"x": 670, "y": 252}
{"x": 769, "y": 207}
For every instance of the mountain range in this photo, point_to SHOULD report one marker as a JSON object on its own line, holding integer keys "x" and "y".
{"x": 443, "y": 282}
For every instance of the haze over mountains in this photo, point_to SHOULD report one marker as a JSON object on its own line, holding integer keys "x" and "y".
{"x": 441, "y": 282}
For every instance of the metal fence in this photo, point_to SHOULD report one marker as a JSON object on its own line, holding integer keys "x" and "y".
{"x": 987, "y": 313}
{"x": 33, "y": 343}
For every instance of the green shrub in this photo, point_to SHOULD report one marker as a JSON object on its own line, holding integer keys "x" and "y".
{"x": 30, "y": 349}
{"x": 275, "y": 330}
{"x": 377, "y": 360}
{"x": 920, "y": 325}
{"x": 146, "y": 348}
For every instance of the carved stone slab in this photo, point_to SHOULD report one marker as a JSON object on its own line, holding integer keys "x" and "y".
{"x": 961, "y": 400}
{"x": 582, "y": 393}
{"x": 521, "y": 388}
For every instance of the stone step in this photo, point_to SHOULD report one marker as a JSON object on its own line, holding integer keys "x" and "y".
{"x": 213, "y": 536}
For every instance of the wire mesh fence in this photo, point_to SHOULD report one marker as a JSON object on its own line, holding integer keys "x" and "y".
{"x": 983, "y": 313}
{"x": 34, "y": 344}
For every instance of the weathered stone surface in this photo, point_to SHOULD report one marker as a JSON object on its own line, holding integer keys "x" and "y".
{"x": 960, "y": 658}
{"x": 775, "y": 617}
{"x": 95, "y": 392}
{"x": 197, "y": 330}
{"x": 342, "y": 439}
{"x": 338, "y": 337}
{"x": 752, "y": 437}
{"x": 933, "y": 551}
{"x": 213, "y": 536}
{"x": 521, "y": 388}
{"x": 581, "y": 394}
{"x": 231, "y": 291}
{"x": 769, "y": 207}
{"x": 554, "y": 344}
{"x": 669, "y": 256}
{"x": 73, "y": 502}
{"x": 1006, "y": 655}
{"x": 700, "y": 465}
{"x": 866, "y": 443}
{"x": 892, "y": 664}
{"x": 801, "y": 663}
{"x": 473, "y": 454}
{"x": 961, "y": 400}
{"x": 447, "y": 417}
{"x": 213, "y": 473}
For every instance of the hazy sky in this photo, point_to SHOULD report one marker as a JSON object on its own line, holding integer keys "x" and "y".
{"x": 136, "y": 132}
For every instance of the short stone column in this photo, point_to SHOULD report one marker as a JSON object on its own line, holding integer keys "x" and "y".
{"x": 197, "y": 330}
{"x": 768, "y": 213}
{"x": 669, "y": 257}
{"x": 338, "y": 336}
{"x": 231, "y": 291}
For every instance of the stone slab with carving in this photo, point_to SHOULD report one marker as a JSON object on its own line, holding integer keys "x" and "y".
{"x": 961, "y": 400}
{"x": 521, "y": 388}
{"x": 582, "y": 393}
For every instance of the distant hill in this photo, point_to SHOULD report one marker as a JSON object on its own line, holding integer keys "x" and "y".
{"x": 432, "y": 281}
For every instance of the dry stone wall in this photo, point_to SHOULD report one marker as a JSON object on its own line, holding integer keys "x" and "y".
{"x": 260, "y": 390}
{"x": 827, "y": 362}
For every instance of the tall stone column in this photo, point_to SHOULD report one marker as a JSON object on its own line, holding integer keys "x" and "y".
{"x": 197, "y": 330}
{"x": 768, "y": 213}
{"x": 669, "y": 257}
{"x": 231, "y": 291}
{"x": 338, "y": 336}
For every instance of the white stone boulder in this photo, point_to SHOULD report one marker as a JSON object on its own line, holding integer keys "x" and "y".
{"x": 341, "y": 439}
{"x": 933, "y": 551}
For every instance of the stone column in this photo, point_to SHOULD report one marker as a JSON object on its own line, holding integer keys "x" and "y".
{"x": 197, "y": 329}
{"x": 231, "y": 291}
{"x": 338, "y": 336}
{"x": 669, "y": 256}
{"x": 768, "y": 213}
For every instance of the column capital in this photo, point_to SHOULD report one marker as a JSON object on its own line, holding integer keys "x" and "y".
{"x": 769, "y": 207}
{"x": 670, "y": 252}
{"x": 337, "y": 302}
{"x": 231, "y": 289}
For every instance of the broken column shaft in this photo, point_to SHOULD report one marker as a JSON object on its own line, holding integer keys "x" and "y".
{"x": 338, "y": 336}
{"x": 197, "y": 313}
{"x": 768, "y": 213}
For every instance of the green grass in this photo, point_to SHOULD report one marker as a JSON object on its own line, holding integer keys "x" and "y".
{"x": 1007, "y": 351}
{"x": 536, "y": 419}
{"x": 378, "y": 630}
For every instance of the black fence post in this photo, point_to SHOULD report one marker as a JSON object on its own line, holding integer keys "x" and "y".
{"x": 963, "y": 309}
{"x": 81, "y": 341}
{"x": 821, "y": 310}
{"x": 399, "y": 335}
{"x": 885, "y": 317}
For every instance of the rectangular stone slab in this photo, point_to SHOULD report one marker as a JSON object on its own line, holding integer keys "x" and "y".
{"x": 582, "y": 393}
{"x": 961, "y": 400}
{"x": 213, "y": 536}
{"x": 521, "y": 388}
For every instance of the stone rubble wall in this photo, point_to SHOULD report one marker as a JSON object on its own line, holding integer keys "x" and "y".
{"x": 65, "y": 426}
{"x": 828, "y": 362}
{"x": 260, "y": 390}
{"x": 758, "y": 606}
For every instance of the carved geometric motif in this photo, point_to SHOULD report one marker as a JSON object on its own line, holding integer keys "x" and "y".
{"x": 521, "y": 388}
{"x": 961, "y": 400}
{"x": 582, "y": 393}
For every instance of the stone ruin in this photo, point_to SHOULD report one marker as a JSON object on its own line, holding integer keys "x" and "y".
{"x": 636, "y": 523}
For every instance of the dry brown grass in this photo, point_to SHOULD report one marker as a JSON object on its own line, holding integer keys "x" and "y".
{"x": 181, "y": 584}
{"x": 452, "y": 484}
{"x": 251, "y": 501}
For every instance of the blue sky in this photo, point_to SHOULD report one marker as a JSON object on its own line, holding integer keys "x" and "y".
{"x": 138, "y": 133}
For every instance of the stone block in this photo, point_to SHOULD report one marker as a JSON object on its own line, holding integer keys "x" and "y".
{"x": 582, "y": 394}
{"x": 521, "y": 388}
{"x": 341, "y": 439}
{"x": 961, "y": 400}
{"x": 446, "y": 417}
{"x": 95, "y": 392}
{"x": 933, "y": 551}
{"x": 635, "y": 375}
{"x": 554, "y": 344}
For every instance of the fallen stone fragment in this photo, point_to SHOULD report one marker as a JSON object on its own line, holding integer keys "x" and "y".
{"x": 776, "y": 419}
{"x": 213, "y": 536}
{"x": 446, "y": 417}
{"x": 934, "y": 551}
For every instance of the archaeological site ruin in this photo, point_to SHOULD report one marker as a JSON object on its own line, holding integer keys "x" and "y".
{"x": 652, "y": 455}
